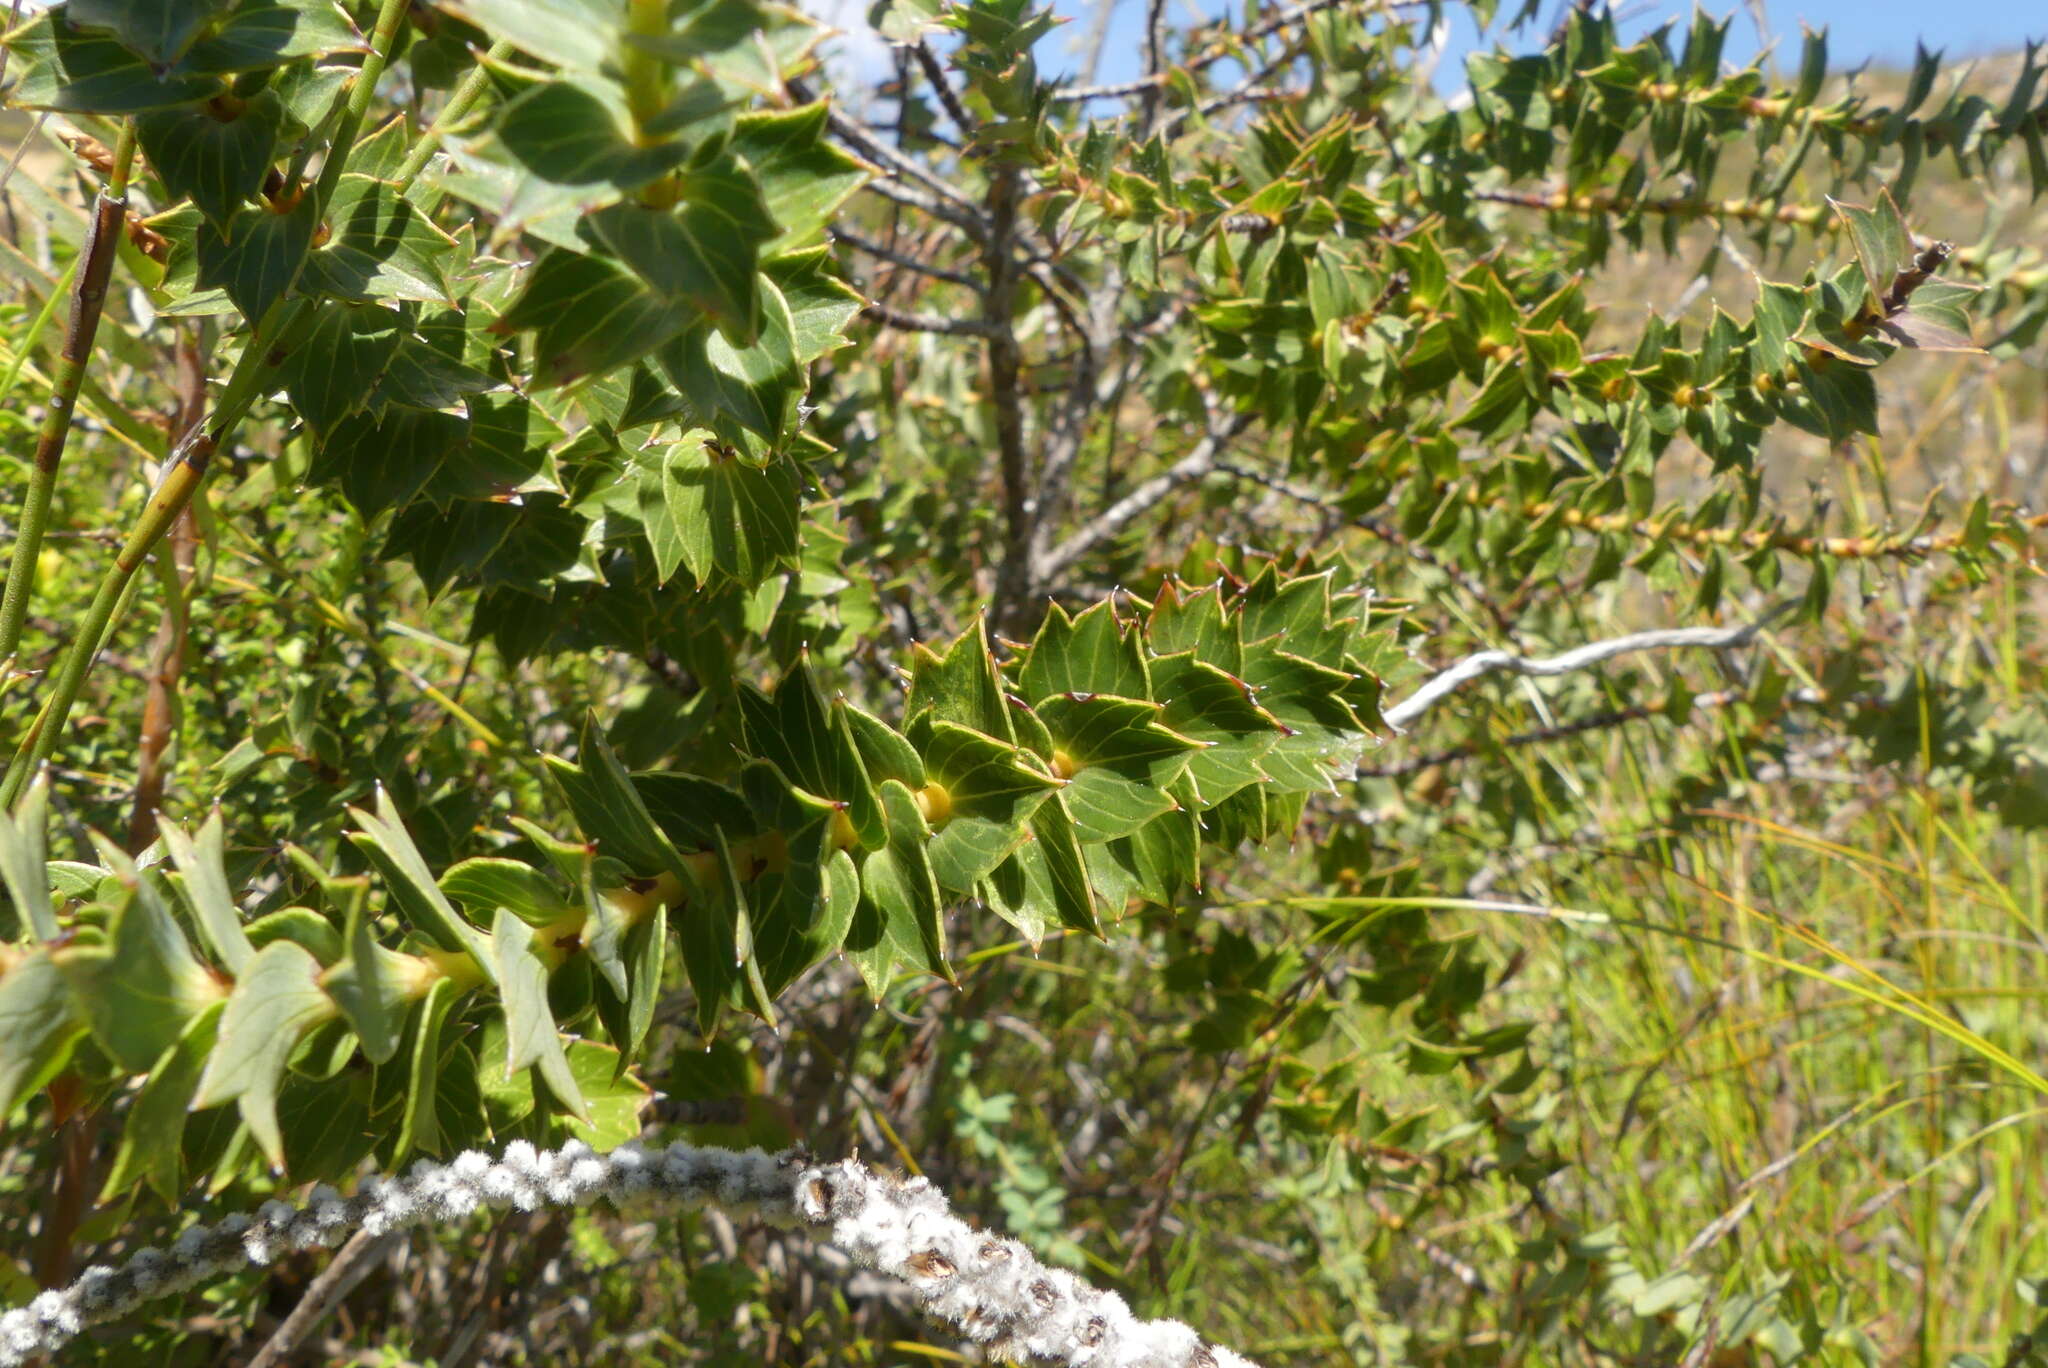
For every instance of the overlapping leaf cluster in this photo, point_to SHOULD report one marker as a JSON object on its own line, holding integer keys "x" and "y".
{"x": 616, "y": 417}
{"x": 1343, "y": 269}
{"x": 419, "y": 1011}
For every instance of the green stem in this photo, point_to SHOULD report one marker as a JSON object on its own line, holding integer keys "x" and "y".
{"x": 35, "y": 330}
{"x": 169, "y": 500}
{"x": 389, "y": 15}
{"x": 186, "y": 469}
{"x": 460, "y": 102}
{"x": 183, "y": 474}
{"x": 647, "y": 76}
{"x": 88, "y": 299}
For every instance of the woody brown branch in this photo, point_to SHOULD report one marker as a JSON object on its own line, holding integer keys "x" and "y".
{"x": 167, "y": 650}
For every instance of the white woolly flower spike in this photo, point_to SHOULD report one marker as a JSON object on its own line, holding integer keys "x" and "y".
{"x": 994, "y": 1290}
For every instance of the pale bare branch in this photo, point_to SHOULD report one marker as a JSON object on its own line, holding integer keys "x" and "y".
{"x": 1448, "y": 681}
{"x": 1131, "y": 506}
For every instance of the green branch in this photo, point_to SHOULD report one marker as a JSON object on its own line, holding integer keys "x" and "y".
{"x": 89, "y": 279}
{"x": 187, "y": 466}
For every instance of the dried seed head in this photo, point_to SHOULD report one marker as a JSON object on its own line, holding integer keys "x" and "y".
{"x": 930, "y": 1263}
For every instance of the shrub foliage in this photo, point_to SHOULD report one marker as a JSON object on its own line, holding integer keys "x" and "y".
{"x": 667, "y": 561}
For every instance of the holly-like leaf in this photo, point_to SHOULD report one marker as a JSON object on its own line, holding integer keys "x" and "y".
{"x": 332, "y": 372}
{"x": 1207, "y": 704}
{"x": 217, "y": 155}
{"x": 742, "y": 390}
{"x": 812, "y": 748}
{"x": 563, "y": 134}
{"x": 372, "y": 987}
{"x": 709, "y": 923}
{"x": 1165, "y": 853}
{"x": 483, "y": 885}
{"x": 988, "y": 795}
{"x": 384, "y": 461}
{"x": 961, "y": 686}
{"x": 258, "y": 254}
{"x": 422, "y": 376}
{"x": 419, "y": 1122}
{"x": 261, "y": 34}
{"x": 907, "y": 21}
{"x": 1091, "y": 654}
{"x": 1880, "y": 238}
{"x": 609, "y": 808}
{"x": 1120, "y": 758}
{"x": 37, "y": 1025}
{"x": 509, "y": 451}
{"x": 326, "y": 1124}
{"x": 530, "y": 1035}
{"x": 704, "y": 254}
{"x": 898, "y": 917}
{"x": 23, "y": 862}
{"x": 57, "y": 65}
{"x": 613, "y": 1100}
{"x": 1912, "y": 328}
{"x": 309, "y": 89}
{"x": 793, "y": 915}
{"x": 1045, "y": 882}
{"x": 380, "y": 247}
{"x": 645, "y": 949}
{"x": 151, "y": 1150}
{"x": 884, "y": 751}
{"x": 157, "y": 30}
{"x": 803, "y": 179}
{"x": 580, "y": 35}
{"x": 715, "y": 514}
{"x": 820, "y": 304}
{"x": 276, "y": 1003}
{"x": 139, "y": 987}
{"x": 591, "y": 315}
{"x": 411, "y": 885}
{"x": 204, "y": 882}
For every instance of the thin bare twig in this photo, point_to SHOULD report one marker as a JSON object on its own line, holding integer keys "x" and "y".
{"x": 1231, "y": 46}
{"x": 1600, "y": 721}
{"x": 905, "y": 321}
{"x": 1124, "y": 511}
{"x": 1155, "y": 65}
{"x": 1093, "y": 389}
{"x": 891, "y": 187}
{"x": 868, "y": 143}
{"x": 349, "y": 1266}
{"x": 1448, "y": 681}
{"x": 928, "y": 61}
{"x": 903, "y": 259}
